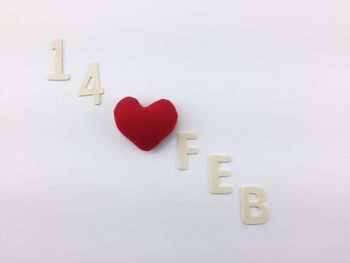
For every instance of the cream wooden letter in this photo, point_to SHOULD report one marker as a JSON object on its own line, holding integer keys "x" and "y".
{"x": 215, "y": 174}
{"x": 247, "y": 205}
{"x": 183, "y": 151}
{"x": 92, "y": 75}
{"x": 57, "y": 46}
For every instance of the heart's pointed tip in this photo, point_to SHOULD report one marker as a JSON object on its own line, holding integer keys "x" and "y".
{"x": 146, "y": 149}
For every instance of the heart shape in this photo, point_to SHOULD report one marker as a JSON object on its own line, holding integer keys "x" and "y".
{"x": 146, "y": 126}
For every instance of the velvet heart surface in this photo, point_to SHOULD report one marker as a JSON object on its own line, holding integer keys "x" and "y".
{"x": 145, "y": 126}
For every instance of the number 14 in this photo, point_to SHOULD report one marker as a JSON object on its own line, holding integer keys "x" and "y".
{"x": 91, "y": 76}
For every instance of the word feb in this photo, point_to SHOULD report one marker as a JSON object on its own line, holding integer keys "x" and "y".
{"x": 253, "y": 198}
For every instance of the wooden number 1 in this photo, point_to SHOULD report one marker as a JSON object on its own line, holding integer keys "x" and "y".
{"x": 92, "y": 76}
{"x": 57, "y": 46}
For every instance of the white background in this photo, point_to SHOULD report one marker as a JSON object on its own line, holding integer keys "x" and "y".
{"x": 265, "y": 81}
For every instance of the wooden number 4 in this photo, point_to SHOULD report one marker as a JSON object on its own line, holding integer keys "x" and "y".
{"x": 57, "y": 46}
{"x": 91, "y": 75}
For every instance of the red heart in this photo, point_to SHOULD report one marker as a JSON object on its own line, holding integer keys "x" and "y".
{"x": 147, "y": 126}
